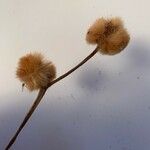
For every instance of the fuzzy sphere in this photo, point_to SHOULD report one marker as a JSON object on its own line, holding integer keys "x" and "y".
{"x": 35, "y": 72}
{"x": 109, "y": 34}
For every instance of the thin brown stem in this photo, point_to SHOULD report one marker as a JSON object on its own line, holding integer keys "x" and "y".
{"x": 40, "y": 96}
{"x": 28, "y": 115}
{"x": 75, "y": 68}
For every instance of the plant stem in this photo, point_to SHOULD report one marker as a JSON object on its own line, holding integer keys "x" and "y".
{"x": 76, "y": 67}
{"x": 28, "y": 115}
{"x": 40, "y": 96}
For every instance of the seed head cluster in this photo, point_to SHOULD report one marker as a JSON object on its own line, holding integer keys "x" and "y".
{"x": 109, "y": 34}
{"x": 34, "y": 71}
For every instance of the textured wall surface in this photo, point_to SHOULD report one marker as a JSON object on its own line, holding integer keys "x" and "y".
{"x": 105, "y": 105}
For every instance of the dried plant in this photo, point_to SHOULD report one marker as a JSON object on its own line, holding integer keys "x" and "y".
{"x": 36, "y": 73}
{"x": 109, "y": 34}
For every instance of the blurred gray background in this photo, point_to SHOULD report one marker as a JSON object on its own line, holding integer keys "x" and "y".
{"x": 104, "y": 105}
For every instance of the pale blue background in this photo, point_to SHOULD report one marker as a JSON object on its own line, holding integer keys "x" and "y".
{"x": 105, "y": 105}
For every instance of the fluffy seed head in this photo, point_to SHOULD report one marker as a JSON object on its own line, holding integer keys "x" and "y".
{"x": 109, "y": 34}
{"x": 34, "y": 71}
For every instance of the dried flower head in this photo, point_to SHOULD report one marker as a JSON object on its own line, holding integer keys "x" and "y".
{"x": 35, "y": 72}
{"x": 109, "y": 34}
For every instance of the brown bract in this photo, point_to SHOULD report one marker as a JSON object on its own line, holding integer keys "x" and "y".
{"x": 109, "y": 34}
{"x": 35, "y": 71}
